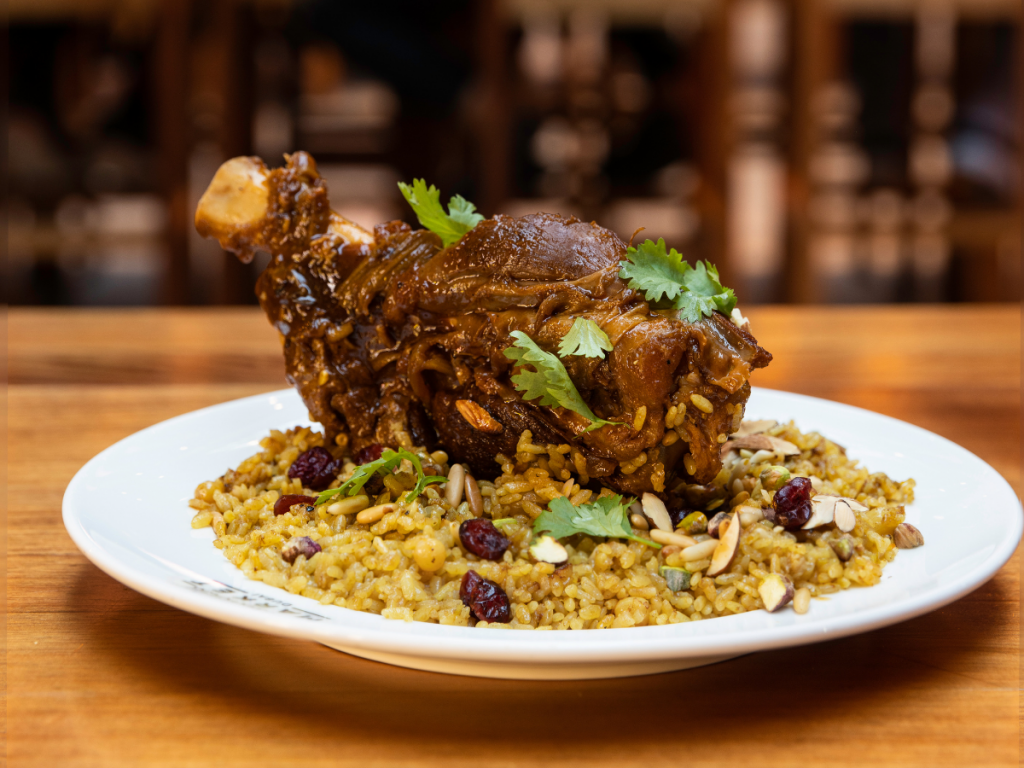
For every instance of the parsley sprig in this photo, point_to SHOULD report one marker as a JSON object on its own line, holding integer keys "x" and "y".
{"x": 426, "y": 203}
{"x": 549, "y": 380}
{"x": 389, "y": 461}
{"x": 608, "y": 516}
{"x": 668, "y": 282}
{"x": 585, "y": 339}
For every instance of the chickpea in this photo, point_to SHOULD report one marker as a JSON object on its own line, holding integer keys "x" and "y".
{"x": 429, "y": 553}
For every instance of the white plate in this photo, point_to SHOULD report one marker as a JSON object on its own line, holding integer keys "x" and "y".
{"x": 127, "y": 510}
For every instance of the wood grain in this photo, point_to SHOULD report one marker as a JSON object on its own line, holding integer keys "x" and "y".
{"x": 99, "y": 675}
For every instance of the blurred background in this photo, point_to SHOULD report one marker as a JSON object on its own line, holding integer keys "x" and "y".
{"x": 835, "y": 151}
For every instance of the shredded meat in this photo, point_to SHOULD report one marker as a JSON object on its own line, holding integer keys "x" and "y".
{"x": 385, "y": 332}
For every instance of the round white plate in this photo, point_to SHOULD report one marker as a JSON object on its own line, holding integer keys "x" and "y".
{"x": 127, "y": 510}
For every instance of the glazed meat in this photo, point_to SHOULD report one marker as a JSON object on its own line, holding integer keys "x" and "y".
{"x": 392, "y": 338}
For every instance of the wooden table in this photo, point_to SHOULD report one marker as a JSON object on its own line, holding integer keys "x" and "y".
{"x": 99, "y": 675}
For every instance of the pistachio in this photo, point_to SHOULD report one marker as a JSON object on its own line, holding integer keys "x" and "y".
{"x": 907, "y": 536}
{"x": 693, "y": 524}
{"x": 727, "y": 546}
{"x": 774, "y": 477}
{"x": 843, "y": 547}
{"x": 291, "y": 550}
{"x": 547, "y": 550}
{"x": 677, "y": 579}
{"x": 776, "y": 591}
{"x": 478, "y": 418}
{"x": 715, "y": 522}
{"x": 654, "y": 509}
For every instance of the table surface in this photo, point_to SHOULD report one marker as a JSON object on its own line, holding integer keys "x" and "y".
{"x": 99, "y": 675}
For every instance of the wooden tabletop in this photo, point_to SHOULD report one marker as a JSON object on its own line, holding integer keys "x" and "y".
{"x": 98, "y": 675}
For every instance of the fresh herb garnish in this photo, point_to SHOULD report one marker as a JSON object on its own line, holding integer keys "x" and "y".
{"x": 585, "y": 339}
{"x": 389, "y": 460}
{"x": 549, "y": 381}
{"x": 426, "y": 203}
{"x": 608, "y": 516}
{"x": 668, "y": 282}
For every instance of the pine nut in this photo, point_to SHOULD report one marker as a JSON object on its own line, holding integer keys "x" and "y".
{"x": 455, "y": 486}
{"x": 476, "y": 501}
{"x": 679, "y": 540}
{"x": 373, "y": 514}
{"x": 348, "y": 506}
{"x": 802, "y": 600}
{"x": 639, "y": 522}
{"x": 699, "y": 551}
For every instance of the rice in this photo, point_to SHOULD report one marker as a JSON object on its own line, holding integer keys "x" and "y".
{"x": 409, "y": 563}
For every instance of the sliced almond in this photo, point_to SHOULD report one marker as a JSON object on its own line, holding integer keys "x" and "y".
{"x": 478, "y": 418}
{"x": 760, "y": 443}
{"x": 546, "y": 549}
{"x": 845, "y": 520}
{"x": 727, "y": 547}
{"x": 776, "y": 591}
{"x": 823, "y": 511}
{"x": 755, "y": 427}
{"x": 656, "y": 512}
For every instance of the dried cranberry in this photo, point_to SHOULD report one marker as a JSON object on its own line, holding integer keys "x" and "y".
{"x": 316, "y": 468}
{"x": 485, "y": 598}
{"x": 791, "y": 507}
{"x": 676, "y": 512}
{"x": 480, "y": 537}
{"x": 300, "y": 546}
{"x": 369, "y": 453}
{"x": 285, "y": 503}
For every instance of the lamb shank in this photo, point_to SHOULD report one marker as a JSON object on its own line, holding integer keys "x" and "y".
{"x": 392, "y": 338}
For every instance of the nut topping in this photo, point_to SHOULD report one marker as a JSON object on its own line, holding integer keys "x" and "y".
{"x": 715, "y": 522}
{"x": 843, "y": 547}
{"x": 677, "y": 579}
{"x": 478, "y": 418}
{"x": 546, "y": 549}
{"x": 657, "y": 513}
{"x": 776, "y": 591}
{"x": 755, "y": 427}
{"x": 727, "y": 546}
{"x": 907, "y": 536}
{"x": 760, "y": 443}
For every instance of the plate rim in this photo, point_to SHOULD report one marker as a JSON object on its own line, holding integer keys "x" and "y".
{"x": 425, "y": 640}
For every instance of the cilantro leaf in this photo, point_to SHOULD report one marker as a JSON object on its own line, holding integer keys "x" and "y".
{"x": 426, "y": 203}
{"x": 608, "y": 517}
{"x": 659, "y": 274}
{"x": 549, "y": 380}
{"x": 585, "y": 339}
{"x": 389, "y": 460}
{"x": 668, "y": 282}
{"x": 704, "y": 294}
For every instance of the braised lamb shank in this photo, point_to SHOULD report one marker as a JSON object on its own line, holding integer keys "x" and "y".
{"x": 392, "y": 338}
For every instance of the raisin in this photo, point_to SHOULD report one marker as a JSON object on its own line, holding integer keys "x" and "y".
{"x": 369, "y": 453}
{"x": 791, "y": 507}
{"x": 485, "y": 598}
{"x": 285, "y": 503}
{"x": 480, "y": 537}
{"x": 301, "y": 546}
{"x": 316, "y": 468}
